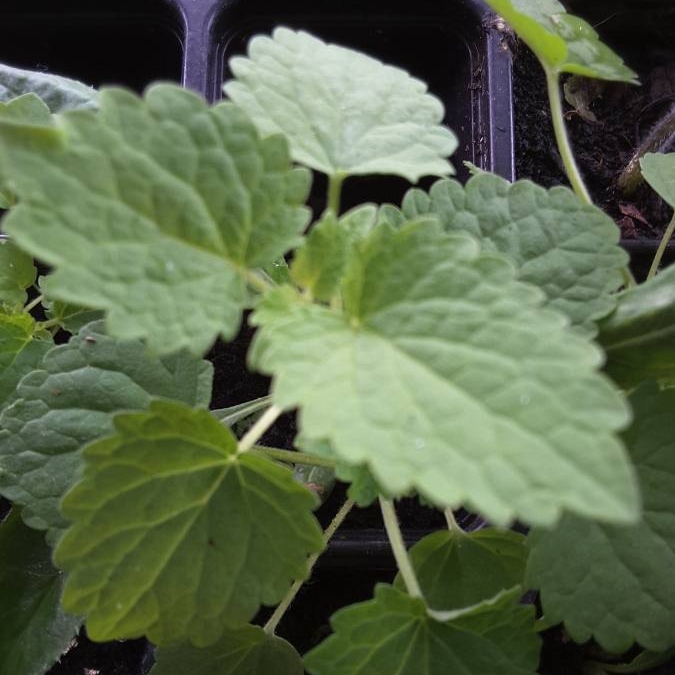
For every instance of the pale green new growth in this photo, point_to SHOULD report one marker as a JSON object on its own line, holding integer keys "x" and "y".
{"x": 344, "y": 113}
{"x": 617, "y": 584}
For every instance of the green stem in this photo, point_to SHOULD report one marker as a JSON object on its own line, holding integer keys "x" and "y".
{"x": 661, "y": 249}
{"x": 34, "y": 303}
{"x": 450, "y": 519}
{"x": 256, "y": 281}
{"x": 562, "y": 139}
{"x": 398, "y": 548}
{"x": 293, "y": 456}
{"x": 251, "y": 437}
{"x": 334, "y": 192}
{"x": 283, "y": 606}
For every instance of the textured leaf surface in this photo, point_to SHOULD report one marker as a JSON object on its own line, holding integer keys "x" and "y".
{"x": 462, "y": 569}
{"x": 446, "y": 376}
{"x": 34, "y": 630}
{"x": 617, "y": 584}
{"x": 394, "y": 634}
{"x": 569, "y": 249}
{"x": 58, "y": 93}
{"x": 234, "y": 534}
{"x": 243, "y": 651}
{"x": 152, "y": 210}
{"x": 20, "y": 352}
{"x": 17, "y": 273}
{"x": 638, "y": 335}
{"x": 343, "y": 112}
{"x": 562, "y": 42}
{"x": 659, "y": 171}
{"x": 70, "y": 317}
{"x": 70, "y": 402}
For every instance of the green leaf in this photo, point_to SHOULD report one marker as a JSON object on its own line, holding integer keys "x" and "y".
{"x": 343, "y": 112}
{"x": 659, "y": 171}
{"x": 393, "y": 633}
{"x": 58, "y": 93}
{"x": 567, "y": 248}
{"x": 152, "y": 210}
{"x": 618, "y": 585}
{"x": 638, "y": 335}
{"x": 242, "y": 651}
{"x": 34, "y": 630}
{"x": 20, "y": 353}
{"x": 70, "y": 317}
{"x": 562, "y": 42}
{"x": 236, "y": 531}
{"x": 17, "y": 273}
{"x": 445, "y": 375}
{"x": 458, "y": 569}
{"x": 70, "y": 401}
{"x": 236, "y": 413}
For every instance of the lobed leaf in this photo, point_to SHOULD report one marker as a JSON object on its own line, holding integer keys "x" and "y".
{"x": 241, "y": 651}
{"x": 393, "y": 633}
{"x": 234, "y": 534}
{"x": 34, "y": 630}
{"x": 70, "y": 401}
{"x": 17, "y": 273}
{"x": 568, "y": 249}
{"x": 344, "y": 113}
{"x": 638, "y": 336}
{"x": 617, "y": 584}
{"x": 562, "y": 42}
{"x": 152, "y": 210}
{"x": 445, "y": 375}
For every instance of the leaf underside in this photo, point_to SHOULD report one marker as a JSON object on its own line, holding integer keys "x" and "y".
{"x": 617, "y": 584}
{"x": 444, "y": 375}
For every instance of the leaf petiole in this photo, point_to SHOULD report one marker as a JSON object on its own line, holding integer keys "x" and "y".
{"x": 33, "y": 303}
{"x": 450, "y": 519}
{"x": 334, "y": 192}
{"x": 667, "y": 235}
{"x": 253, "y": 435}
{"x": 293, "y": 456}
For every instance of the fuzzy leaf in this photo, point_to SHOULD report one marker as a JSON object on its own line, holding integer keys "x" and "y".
{"x": 619, "y": 585}
{"x": 393, "y": 633}
{"x": 34, "y": 630}
{"x": 20, "y": 353}
{"x": 562, "y": 42}
{"x": 638, "y": 335}
{"x": 70, "y": 402}
{"x": 242, "y": 651}
{"x": 461, "y": 569}
{"x": 343, "y": 112}
{"x": 58, "y": 93}
{"x": 17, "y": 273}
{"x": 152, "y": 209}
{"x": 234, "y": 534}
{"x": 569, "y": 249}
{"x": 659, "y": 171}
{"x": 445, "y": 375}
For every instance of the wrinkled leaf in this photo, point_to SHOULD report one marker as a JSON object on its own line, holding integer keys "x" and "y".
{"x": 70, "y": 402}
{"x": 58, "y": 93}
{"x": 235, "y": 532}
{"x": 20, "y": 352}
{"x": 393, "y": 633}
{"x": 343, "y": 112}
{"x": 445, "y": 375}
{"x": 617, "y": 584}
{"x": 152, "y": 210}
{"x": 17, "y": 273}
{"x": 34, "y": 630}
{"x": 461, "y": 569}
{"x": 567, "y": 248}
{"x": 242, "y": 651}
{"x": 562, "y": 42}
{"x": 638, "y": 335}
{"x": 659, "y": 171}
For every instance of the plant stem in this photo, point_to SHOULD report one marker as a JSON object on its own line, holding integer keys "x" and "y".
{"x": 334, "y": 191}
{"x": 256, "y": 281}
{"x": 34, "y": 303}
{"x": 251, "y": 437}
{"x": 398, "y": 548}
{"x": 294, "y": 457}
{"x": 283, "y": 606}
{"x": 562, "y": 139}
{"x": 661, "y": 249}
{"x": 453, "y": 525}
